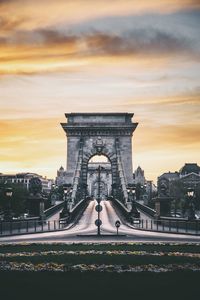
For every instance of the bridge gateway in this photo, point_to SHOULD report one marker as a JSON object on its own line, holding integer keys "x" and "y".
{"x": 90, "y": 134}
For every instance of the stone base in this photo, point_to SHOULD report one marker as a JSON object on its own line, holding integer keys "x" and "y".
{"x": 162, "y": 206}
{"x": 36, "y": 205}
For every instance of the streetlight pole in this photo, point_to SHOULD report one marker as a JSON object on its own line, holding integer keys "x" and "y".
{"x": 64, "y": 212}
{"x": 99, "y": 199}
{"x": 8, "y": 193}
{"x": 190, "y": 194}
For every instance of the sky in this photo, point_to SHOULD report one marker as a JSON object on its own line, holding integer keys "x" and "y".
{"x": 132, "y": 56}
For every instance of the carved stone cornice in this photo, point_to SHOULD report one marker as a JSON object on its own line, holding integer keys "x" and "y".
{"x": 99, "y": 131}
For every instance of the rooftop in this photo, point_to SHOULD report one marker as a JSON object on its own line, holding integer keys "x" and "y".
{"x": 190, "y": 168}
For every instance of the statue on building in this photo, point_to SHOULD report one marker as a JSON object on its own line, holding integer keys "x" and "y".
{"x": 35, "y": 186}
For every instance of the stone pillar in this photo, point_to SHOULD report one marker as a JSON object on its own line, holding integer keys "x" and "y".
{"x": 125, "y": 144}
{"x": 73, "y": 144}
{"x": 36, "y": 205}
{"x": 162, "y": 206}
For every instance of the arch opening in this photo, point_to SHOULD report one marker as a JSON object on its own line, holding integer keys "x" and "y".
{"x": 102, "y": 184}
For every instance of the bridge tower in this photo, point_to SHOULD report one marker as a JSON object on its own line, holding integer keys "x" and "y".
{"x": 90, "y": 134}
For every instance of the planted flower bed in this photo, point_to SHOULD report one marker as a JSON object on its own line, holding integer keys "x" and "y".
{"x": 79, "y": 271}
{"x": 100, "y": 258}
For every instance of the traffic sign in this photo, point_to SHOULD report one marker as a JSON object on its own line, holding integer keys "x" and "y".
{"x": 98, "y": 222}
{"x": 117, "y": 223}
{"x": 98, "y": 208}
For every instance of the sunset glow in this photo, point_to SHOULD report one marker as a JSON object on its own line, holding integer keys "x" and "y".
{"x": 99, "y": 56}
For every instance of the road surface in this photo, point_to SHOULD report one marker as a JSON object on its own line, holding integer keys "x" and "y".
{"x": 85, "y": 231}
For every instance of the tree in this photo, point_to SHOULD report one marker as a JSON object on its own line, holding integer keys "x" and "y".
{"x": 18, "y": 200}
{"x": 138, "y": 191}
{"x": 197, "y": 196}
{"x": 177, "y": 192}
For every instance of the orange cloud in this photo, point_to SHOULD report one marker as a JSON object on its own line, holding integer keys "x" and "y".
{"x": 42, "y": 142}
{"x": 115, "y": 71}
{"x": 51, "y": 51}
{"x": 32, "y": 145}
{"x": 166, "y": 137}
{"x": 33, "y": 14}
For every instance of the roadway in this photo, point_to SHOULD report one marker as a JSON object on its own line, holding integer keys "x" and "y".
{"x": 85, "y": 231}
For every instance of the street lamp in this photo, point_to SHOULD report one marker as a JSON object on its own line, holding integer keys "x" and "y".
{"x": 8, "y": 193}
{"x": 131, "y": 194}
{"x": 190, "y": 193}
{"x": 98, "y": 222}
{"x": 191, "y": 212}
{"x": 134, "y": 212}
{"x": 133, "y": 191}
{"x": 65, "y": 194}
{"x": 64, "y": 212}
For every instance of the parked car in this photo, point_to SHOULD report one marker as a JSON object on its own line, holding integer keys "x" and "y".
{"x": 177, "y": 215}
{"x": 135, "y": 221}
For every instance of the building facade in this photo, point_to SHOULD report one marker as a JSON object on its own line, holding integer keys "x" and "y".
{"x": 187, "y": 177}
{"x": 24, "y": 179}
{"x": 138, "y": 176}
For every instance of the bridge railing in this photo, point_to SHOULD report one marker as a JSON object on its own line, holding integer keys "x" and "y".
{"x": 30, "y": 226}
{"x": 38, "y": 226}
{"x": 35, "y": 225}
{"x": 167, "y": 226}
{"x": 54, "y": 209}
{"x": 146, "y": 209}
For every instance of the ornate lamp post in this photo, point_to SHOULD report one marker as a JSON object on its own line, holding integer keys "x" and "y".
{"x": 69, "y": 199}
{"x": 134, "y": 194}
{"x": 8, "y": 193}
{"x": 64, "y": 212}
{"x": 65, "y": 194}
{"x": 191, "y": 209}
{"x": 98, "y": 208}
{"x": 131, "y": 196}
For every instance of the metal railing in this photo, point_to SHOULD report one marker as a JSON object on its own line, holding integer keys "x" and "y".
{"x": 54, "y": 209}
{"x": 146, "y": 209}
{"x": 167, "y": 226}
{"x": 38, "y": 226}
{"x": 30, "y": 226}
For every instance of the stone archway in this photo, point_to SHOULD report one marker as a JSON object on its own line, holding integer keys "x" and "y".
{"x": 111, "y": 158}
{"x": 93, "y": 177}
{"x": 90, "y": 134}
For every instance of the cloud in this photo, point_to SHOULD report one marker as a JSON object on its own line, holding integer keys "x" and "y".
{"x": 170, "y": 136}
{"x": 126, "y": 35}
{"x": 185, "y": 98}
{"x": 29, "y": 140}
{"x": 138, "y": 42}
{"x": 10, "y": 23}
{"x": 123, "y": 55}
{"x": 52, "y": 44}
{"x": 50, "y": 13}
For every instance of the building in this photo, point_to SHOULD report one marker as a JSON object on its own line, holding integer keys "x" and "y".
{"x": 61, "y": 176}
{"x": 147, "y": 187}
{"x": 138, "y": 176}
{"x": 187, "y": 177}
{"x": 189, "y": 168}
{"x": 24, "y": 178}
